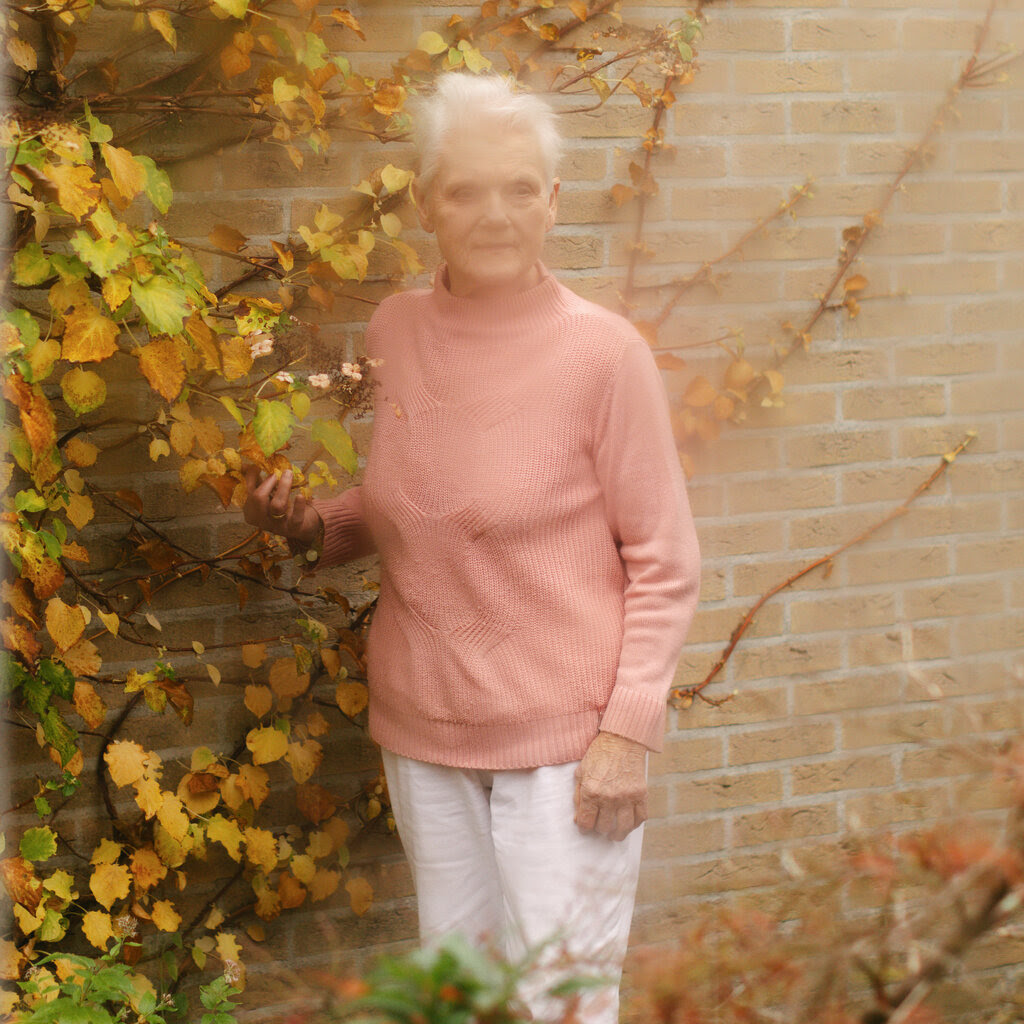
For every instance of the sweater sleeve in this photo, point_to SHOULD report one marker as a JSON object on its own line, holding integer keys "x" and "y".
{"x": 346, "y": 535}
{"x": 649, "y": 515}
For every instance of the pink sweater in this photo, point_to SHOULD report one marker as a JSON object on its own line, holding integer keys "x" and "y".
{"x": 539, "y": 567}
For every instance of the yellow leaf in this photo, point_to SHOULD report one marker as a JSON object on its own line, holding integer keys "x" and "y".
{"x": 76, "y": 191}
{"x": 360, "y": 894}
{"x": 236, "y": 357}
{"x": 182, "y": 436}
{"x": 106, "y": 852}
{"x": 79, "y": 510}
{"x": 44, "y": 354}
{"x": 224, "y": 831}
{"x": 22, "y": 54}
{"x": 286, "y": 680}
{"x": 303, "y": 868}
{"x": 126, "y": 761}
{"x": 88, "y": 704}
{"x": 161, "y": 21}
{"x": 391, "y": 224}
{"x": 83, "y": 390}
{"x": 475, "y": 60}
{"x": 228, "y": 948}
{"x": 775, "y": 380}
{"x": 115, "y": 290}
{"x": 149, "y": 796}
{"x": 254, "y": 783}
{"x": 128, "y": 175}
{"x": 266, "y": 744}
{"x": 579, "y": 9}
{"x": 110, "y": 883}
{"x": 97, "y": 928}
{"x": 284, "y": 92}
{"x": 172, "y": 816}
{"x": 857, "y": 283}
{"x": 431, "y": 42}
{"x": 165, "y": 917}
{"x": 80, "y": 452}
{"x": 65, "y": 623}
{"x": 158, "y": 447}
{"x": 253, "y": 655}
{"x": 111, "y": 621}
{"x": 304, "y": 759}
{"x": 261, "y": 848}
{"x": 351, "y": 697}
{"x": 89, "y": 336}
{"x": 161, "y": 363}
{"x": 259, "y": 700}
{"x": 700, "y": 393}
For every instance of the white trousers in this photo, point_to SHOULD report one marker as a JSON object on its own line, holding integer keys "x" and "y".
{"x": 496, "y": 856}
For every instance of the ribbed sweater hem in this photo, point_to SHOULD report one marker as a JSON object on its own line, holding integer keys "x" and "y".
{"x": 493, "y": 746}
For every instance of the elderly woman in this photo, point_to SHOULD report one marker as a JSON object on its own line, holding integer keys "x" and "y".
{"x": 539, "y": 567}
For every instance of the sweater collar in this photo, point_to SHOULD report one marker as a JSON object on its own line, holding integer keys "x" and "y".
{"x": 521, "y": 312}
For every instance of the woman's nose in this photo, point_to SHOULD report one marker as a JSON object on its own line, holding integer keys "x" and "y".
{"x": 495, "y": 210}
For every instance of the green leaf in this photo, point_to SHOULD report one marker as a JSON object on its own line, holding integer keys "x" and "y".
{"x": 43, "y": 807}
{"x": 30, "y": 266}
{"x": 273, "y": 425}
{"x": 335, "y": 438}
{"x": 59, "y": 735}
{"x": 102, "y": 255}
{"x": 59, "y": 676}
{"x": 158, "y": 184}
{"x": 28, "y": 326}
{"x": 162, "y": 303}
{"x": 98, "y": 131}
{"x": 29, "y": 501}
{"x": 38, "y": 844}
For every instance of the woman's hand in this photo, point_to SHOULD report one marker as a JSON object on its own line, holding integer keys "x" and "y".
{"x": 269, "y": 507}
{"x": 611, "y": 786}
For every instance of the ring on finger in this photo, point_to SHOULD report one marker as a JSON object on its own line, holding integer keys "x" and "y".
{"x": 278, "y": 515}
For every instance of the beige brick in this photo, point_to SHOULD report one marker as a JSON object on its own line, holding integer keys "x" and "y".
{"x": 664, "y": 840}
{"x": 799, "y": 409}
{"x": 943, "y": 279}
{"x": 846, "y": 611}
{"x": 942, "y": 763}
{"x": 943, "y": 359}
{"x": 903, "y": 72}
{"x": 753, "y": 578}
{"x": 888, "y": 484}
{"x": 689, "y": 243}
{"x": 978, "y": 196}
{"x": 984, "y": 396}
{"x": 732, "y": 202}
{"x": 908, "y": 239}
{"x": 795, "y": 657}
{"x": 994, "y": 235}
{"x": 837, "y": 447}
{"x": 971, "y": 798}
{"x": 595, "y": 206}
{"x": 610, "y": 121}
{"x": 781, "y": 493}
{"x": 718, "y": 792}
{"x": 687, "y": 753}
{"x": 767, "y": 75}
{"x": 697, "y": 160}
{"x": 875, "y": 156}
{"x": 734, "y": 454}
{"x": 791, "y": 159}
{"x": 878, "y": 403}
{"x": 967, "y": 677}
{"x": 785, "y": 823}
{"x": 713, "y": 625}
{"x": 763, "y": 704}
{"x": 989, "y": 475}
{"x": 990, "y": 313}
{"x": 989, "y": 155}
{"x": 947, "y": 32}
{"x": 739, "y": 871}
{"x": 845, "y": 32}
{"x": 896, "y": 565}
{"x": 824, "y": 530}
{"x": 583, "y": 164}
{"x": 791, "y": 241}
{"x": 978, "y": 635}
{"x": 954, "y": 597}
{"x": 712, "y": 584}
{"x": 735, "y": 32}
{"x": 697, "y": 117}
{"x": 844, "y": 773}
{"x": 729, "y": 538}
{"x": 818, "y": 367}
{"x": 909, "y": 805}
{"x": 965, "y": 516}
{"x": 888, "y": 728}
{"x": 573, "y": 251}
{"x": 896, "y": 646}
{"x": 844, "y": 115}
{"x": 937, "y": 439}
{"x": 796, "y": 740}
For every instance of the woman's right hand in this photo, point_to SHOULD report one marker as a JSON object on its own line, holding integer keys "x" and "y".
{"x": 270, "y": 507}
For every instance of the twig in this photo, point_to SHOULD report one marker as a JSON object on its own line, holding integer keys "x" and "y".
{"x": 685, "y": 694}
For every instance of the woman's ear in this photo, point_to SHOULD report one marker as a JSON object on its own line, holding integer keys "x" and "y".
{"x": 421, "y": 199}
{"x": 549, "y": 223}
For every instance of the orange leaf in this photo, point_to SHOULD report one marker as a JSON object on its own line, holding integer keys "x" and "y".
{"x": 126, "y": 761}
{"x": 260, "y": 848}
{"x": 351, "y": 697}
{"x": 579, "y": 8}
{"x": 254, "y": 784}
{"x": 304, "y": 759}
{"x": 623, "y": 194}
{"x": 109, "y": 883}
{"x": 857, "y": 283}
{"x": 259, "y": 700}
{"x": 253, "y": 655}
{"x": 315, "y": 803}
{"x": 89, "y": 704}
{"x": 699, "y": 393}
{"x": 723, "y": 407}
{"x": 348, "y": 20}
{"x": 360, "y": 894}
{"x": 82, "y": 658}
{"x": 286, "y": 680}
{"x": 233, "y": 61}
{"x": 161, "y": 363}
{"x": 669, "y": 361}
{"x": 76, "y": 190}
{"x": 89, "y": 336}
{"x": 147, "y": 868}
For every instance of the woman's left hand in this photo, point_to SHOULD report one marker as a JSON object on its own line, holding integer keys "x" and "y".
{"x": 611, "y": 786}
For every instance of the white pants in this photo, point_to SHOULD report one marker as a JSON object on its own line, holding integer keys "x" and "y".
{"x": 497, "y": 856}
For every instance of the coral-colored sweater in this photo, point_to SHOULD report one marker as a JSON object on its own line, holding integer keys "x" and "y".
{"x": 539, "y": 566}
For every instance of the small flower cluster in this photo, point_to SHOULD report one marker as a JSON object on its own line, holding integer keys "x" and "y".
{"x": 350, "y": 383}
{"x": 260, "y": 344}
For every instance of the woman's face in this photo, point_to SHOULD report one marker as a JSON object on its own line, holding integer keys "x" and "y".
{"x": 489, "y": 207}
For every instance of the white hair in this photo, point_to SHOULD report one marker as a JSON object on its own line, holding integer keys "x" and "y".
{"x": 462, "y": 100}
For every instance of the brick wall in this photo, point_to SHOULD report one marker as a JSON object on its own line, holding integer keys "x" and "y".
{"x": 851, "y": 687}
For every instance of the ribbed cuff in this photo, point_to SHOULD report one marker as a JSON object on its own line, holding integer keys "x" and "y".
{"x": 345, "y": 535}
{"x": 636, "y": 715}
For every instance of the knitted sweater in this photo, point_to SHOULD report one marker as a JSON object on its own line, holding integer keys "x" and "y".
{"x": 539, "y": 566}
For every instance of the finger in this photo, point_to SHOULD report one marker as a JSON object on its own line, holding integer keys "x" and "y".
{"x": 252, "y": 477}
{"x": 277, "y": 507}
{"x": 586, "y": 815}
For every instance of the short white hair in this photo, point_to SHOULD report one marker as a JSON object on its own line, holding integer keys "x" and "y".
{"x": 462, "y": 100}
